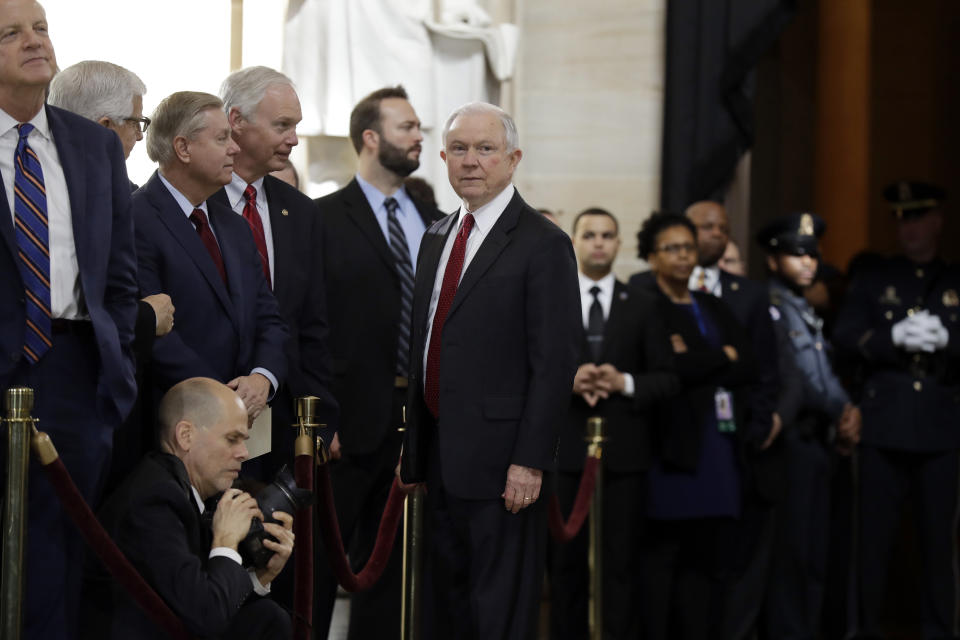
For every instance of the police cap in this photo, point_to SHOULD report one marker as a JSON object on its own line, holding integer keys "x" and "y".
{"x": 910, "y": 199}
{"x": 795, "y": 234}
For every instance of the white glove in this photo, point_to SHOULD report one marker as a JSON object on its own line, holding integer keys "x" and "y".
{"x": 936, "y": 334}
{"x": 908, "y": 333}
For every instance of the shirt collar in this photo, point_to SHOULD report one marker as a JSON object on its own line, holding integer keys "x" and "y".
{"x": 605, "y": 283}
{"x": 197, "y": 499}
{"x": 375, "y": 197}
{"x": 185, "y": 205}
{"x": 711, "y": 276}
{"x": 237, "y": 186}
{"x": 486, "y": 216}
{"x": 39, "y": 122}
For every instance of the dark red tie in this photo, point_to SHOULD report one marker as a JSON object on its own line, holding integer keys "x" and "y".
{"x": 252, "y": 216}
{"x": 199, "y": 219}
{"x": 448, "y": 289}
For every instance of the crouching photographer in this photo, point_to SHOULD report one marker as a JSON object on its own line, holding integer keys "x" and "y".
{"x": 192, "y": 560}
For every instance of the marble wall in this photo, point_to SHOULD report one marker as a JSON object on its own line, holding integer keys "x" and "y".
{"x": 588, "y": 99}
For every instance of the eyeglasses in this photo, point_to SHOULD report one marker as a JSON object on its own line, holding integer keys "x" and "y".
{"x": 141, "y": 123}
{"x": 674, "y": 249}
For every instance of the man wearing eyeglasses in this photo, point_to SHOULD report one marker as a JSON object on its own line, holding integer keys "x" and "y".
{"x": 113, "y": 97}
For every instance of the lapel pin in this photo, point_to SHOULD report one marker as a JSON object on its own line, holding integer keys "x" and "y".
{"x": 735, "y": 285}
{"x": 284, "y": 212}
{"x": 624, "y": 295}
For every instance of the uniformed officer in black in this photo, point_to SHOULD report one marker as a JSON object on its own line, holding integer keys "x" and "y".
{"x": 817, "y": 415}
{"x": 900, "y": 322}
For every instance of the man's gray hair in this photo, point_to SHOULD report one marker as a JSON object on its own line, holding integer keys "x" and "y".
{"x": 509, "y": 126}
{"x": 244, "y": 89}
{"x": 95, "y": 89}
{"x": 179, "y": 114}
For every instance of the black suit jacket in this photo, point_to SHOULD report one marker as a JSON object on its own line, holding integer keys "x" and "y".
{"x": 220, "y": 331}
{"x": 509, "y": 354}
{"x": 156, "y": 523}
{"x": 681, "y": 418}
{"x": 298, "y": 288}
{"x": 634, "y": 342}
{"x": 363, "y": 306}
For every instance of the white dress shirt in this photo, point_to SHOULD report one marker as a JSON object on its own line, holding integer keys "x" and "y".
{"x": 227, "y": 552}
{"x": 235, "y": 197}
{"x": 66, "y": 298}
{"x": 605, "y": 297}
{"x": 711, "y": 280}
{"x": 483, "y": 220}
{"x": 187, "y": 207}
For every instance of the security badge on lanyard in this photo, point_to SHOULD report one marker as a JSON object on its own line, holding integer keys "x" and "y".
{"x": 723, "y": 400}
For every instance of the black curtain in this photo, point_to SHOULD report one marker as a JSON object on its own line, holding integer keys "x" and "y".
{"x": 713, "y": 47}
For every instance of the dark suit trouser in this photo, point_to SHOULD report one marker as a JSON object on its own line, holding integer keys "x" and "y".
{"x": 797, "y": 578}
{"x": 486, "y": 566}
{"x": 361, "y": 485}
{"x": 744, "y": 598}
{"x": 624, "y": 513}
{"x": 685, "y": 569}
{"x": 260, "y": 619}
{"x": 929, "y": 481}
{"x": 65, "y": 392}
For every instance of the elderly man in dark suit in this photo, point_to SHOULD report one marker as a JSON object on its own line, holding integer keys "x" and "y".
{"x": 160, "y": 519}
{"x": 370, "y": 234}
{"x": 67, "y": 298}
{"x": 202, "y": 254}
{"x": 496, "y": 321}
{"x": 263, "y": 110}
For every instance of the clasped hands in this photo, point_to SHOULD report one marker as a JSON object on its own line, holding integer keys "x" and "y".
{"x": 921, "y": 331}
{"x": 254, "y": 390}
{"x": 848, "y": 429}
{"x": 595, "y": 382}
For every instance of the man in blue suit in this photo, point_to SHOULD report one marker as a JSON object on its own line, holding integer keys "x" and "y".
{"x": 203, "y": 255}
{"x": 68, "y": 297}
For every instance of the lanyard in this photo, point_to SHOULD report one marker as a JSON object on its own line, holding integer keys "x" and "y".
{"x": 698, "y": 315}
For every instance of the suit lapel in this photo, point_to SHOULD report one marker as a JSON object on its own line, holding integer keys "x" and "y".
{"x": 495, "y": 242}
{"x": 171, "y": 216}
{"x": 359, "y": 211}
{"x": 427, "y": 264}
{"x": 232, "y": 259}
{"x": 75, "y": 173}
{"x": 283, "y": 232}
{"x": 612, "y": 330}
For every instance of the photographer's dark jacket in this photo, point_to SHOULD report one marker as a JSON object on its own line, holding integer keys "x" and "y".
{"x": 155, "y": 521}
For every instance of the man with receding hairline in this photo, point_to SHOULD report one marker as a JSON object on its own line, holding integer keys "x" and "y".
{"x": 496, "y": 322}
{"x": 159, "y": 520}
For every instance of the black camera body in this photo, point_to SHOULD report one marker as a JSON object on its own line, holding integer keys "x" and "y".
{"x": 282, "y": 494}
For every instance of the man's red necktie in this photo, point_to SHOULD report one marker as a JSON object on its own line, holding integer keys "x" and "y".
{"x": 252, "y": 216}
{"x": 199, "y": 219}
{"x": 448, "y": 289}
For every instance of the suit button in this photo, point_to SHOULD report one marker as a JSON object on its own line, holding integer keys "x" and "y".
{"x": 888, "y": 315}
{"x": 919, "y": 273}
{"x": 917, "y": 386}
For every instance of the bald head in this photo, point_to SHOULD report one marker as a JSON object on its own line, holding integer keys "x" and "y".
{"x": 713, "y": 230}
{"x": 202, "y": 402}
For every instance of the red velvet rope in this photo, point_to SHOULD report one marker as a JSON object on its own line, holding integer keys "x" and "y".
{"x": 333, "y": 543}
{"x": 303, "y": 569}
{"x": 116, "y": 563}
{"x": 566, "y": 531}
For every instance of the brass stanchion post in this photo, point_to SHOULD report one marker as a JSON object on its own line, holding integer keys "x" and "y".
{"x": 596, "y": 436}
{"x": 412, "y": 561}
{"x": 19, "y": 404}
{"x": 307, "y": 443}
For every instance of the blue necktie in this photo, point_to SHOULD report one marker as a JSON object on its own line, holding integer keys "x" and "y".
{"x": 30, "y": 219}
{"x": 401, "y": 254}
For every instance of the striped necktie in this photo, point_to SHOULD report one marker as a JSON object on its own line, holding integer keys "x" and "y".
{"x": 252, "y": 215}
{"x": 30, "y": 219}
{"x": 401, "y": 254}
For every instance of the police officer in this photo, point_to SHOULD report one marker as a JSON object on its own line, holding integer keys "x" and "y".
{"x": 900, "y": 322}
{"x": 817, "y": 414}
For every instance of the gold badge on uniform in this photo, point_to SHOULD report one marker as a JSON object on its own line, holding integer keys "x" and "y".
{"x": 806, "y": 225}
{"x": 950, "y": 298}
{"x": 890, "y": 296}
